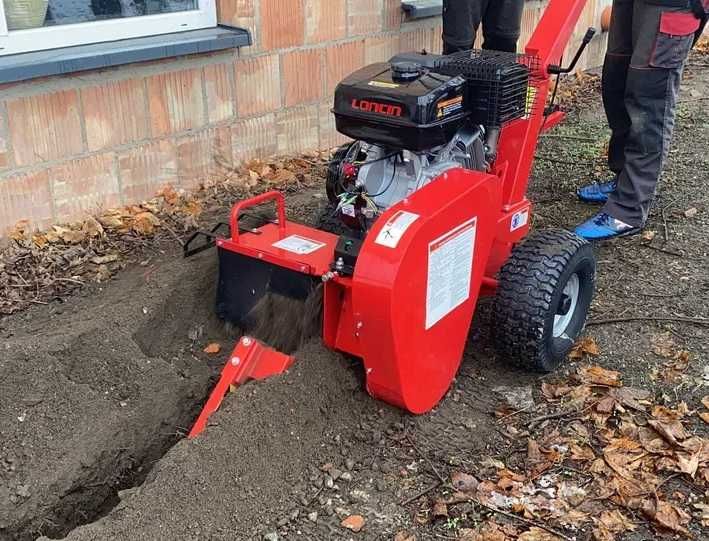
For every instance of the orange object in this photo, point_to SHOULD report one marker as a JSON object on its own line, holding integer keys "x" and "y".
{"x": 606, "y": 18}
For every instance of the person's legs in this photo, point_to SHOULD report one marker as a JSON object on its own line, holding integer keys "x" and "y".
{"x": 461, "y": 19}
{"x": 662, "y": 38}
{"x": 502, "y": 21}
{"x": 615, "y": 74}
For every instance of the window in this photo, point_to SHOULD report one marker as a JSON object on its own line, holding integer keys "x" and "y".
{"x": 36, "y": 25}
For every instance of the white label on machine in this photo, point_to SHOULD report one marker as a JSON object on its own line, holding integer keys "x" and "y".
{"x": 394, "y": 229}
{"x": 450, "y": 270}
{"x": 349, "y": 210}
{"x": 519, "y": 220}
{"x": 298, "y": 245}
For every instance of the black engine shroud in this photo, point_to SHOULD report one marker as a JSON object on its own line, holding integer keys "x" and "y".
{"x": 420, "y": 101}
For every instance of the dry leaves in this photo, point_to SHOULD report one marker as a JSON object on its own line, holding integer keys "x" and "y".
{"x": 213, "y": 348}
{"x": 38, "y": 267}
{"x": 599, "y": 376}
{"x": 585, "y": 347}
{"x": 353, "y": 523}
{"x": 603, "y": 462}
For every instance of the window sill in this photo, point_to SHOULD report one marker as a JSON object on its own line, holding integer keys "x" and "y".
{"x": 422, "y": 9}
{"x": 21, "y": 67}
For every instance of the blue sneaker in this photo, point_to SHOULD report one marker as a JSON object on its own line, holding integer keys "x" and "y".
{"x": 597, "y": 192}
{"x": 603, "y": 226}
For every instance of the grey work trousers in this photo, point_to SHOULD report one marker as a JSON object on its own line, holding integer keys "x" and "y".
{"x": 648, "y": 45}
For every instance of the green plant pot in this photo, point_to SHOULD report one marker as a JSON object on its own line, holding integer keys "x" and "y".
{"x": 22, "y": 14}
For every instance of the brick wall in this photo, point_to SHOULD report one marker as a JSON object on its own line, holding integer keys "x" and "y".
{"x": 70, "y": 145}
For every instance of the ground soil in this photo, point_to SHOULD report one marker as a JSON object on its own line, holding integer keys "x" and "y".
{"x": 96, "y": 393}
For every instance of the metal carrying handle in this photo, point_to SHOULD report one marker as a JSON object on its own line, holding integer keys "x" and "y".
{"x": 258, "y": 200}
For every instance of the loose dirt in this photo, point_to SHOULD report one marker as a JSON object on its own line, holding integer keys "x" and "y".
{"x": 93, "y": 392}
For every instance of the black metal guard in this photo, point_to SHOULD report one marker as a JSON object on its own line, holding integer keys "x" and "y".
{"x": 210, "y": 239}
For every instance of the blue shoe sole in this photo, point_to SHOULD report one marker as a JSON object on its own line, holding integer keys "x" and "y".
{"x": 628, "y": 233}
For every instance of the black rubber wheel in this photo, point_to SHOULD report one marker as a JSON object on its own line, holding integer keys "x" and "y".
{"x": 545, "y": 291}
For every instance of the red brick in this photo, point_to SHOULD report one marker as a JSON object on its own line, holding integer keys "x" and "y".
{"x": 25, "y": 197}
{"x": 341, "y": 60}
{"x": 254, "y": 138}
{"x": 258, "y": 86}
{"x": 297, "y": 129}
{"x": 418, "y": 40}
{"x": 329, "y": 136}
{"x": 325, "y": 20}
{"x": 115, "y": 113}
{"x": 175, "y": 100}
{"x": 220, "y": 95}
{"x": 45, "y": 127}
{"x": 365, "y": 16}
{"x": 282, "y": 23}
{"x": 380, "y": 49}
{"x": 302, "y": 76}
{"x": 4, "y": 153}
{"x": 393, "y": 14}
{"x": 232, "y": 11}
{"x": 146, "y": 169}
{"x": 204, "y": 157}
{"x": 83, "y": 186}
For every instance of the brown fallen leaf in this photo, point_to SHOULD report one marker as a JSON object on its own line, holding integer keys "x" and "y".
{"x": 705, "y": 402}
{"x": 600, "y": 376}
{"x": 144, "y": 223}
{"x": 630, "y": 397}
{"x": 92, "y": 228}
{"x": 537, "y": 534}
{"x": 585, "y": 346}
{"x": 666, "y": 515}
{"x": 354, "y": 523}
{"x": 551, "y": 392}
{"x": 440, "y": 509}
{"x": 404, "y": 536}
{"x": 688, "y": 464}
{"x": 704, "y": 416}
{"x": 102, "y": 260}
{"x": 464, "y": 482}
{"x": 672, "y": 431}
{"x": 213, "y": 348}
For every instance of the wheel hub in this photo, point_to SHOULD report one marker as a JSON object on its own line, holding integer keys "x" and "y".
{"x": 567, "y": 305}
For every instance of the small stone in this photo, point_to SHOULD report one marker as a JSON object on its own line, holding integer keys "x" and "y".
{"x": 349, "y": 464}
{"x": 282, "y": 521}
{"x": 381, "y": 485}
{"x": 347, "y": 476}
{"x": 358, "y": 495}
{"x": 354, "y": 523}
{"x": 23, "y": 491}
{"x": 335, "y": 474}
{"x": 294, "y": 514}
{"x": 313, "y": 517}
{"x": 273, "y": 536}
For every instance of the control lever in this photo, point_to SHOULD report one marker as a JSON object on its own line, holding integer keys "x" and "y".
{"x": 558, "y": 70}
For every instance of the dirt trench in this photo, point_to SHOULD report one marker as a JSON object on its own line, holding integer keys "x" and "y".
{"x": 94, "y": 391}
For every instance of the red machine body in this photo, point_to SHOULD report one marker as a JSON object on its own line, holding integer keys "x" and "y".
{"x": 406, "y": 310}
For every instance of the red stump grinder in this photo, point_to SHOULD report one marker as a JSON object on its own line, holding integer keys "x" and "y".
{"x": 428, "y": 213}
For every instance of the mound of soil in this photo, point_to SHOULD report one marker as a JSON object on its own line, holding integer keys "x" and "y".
{"x": 92, "y": 393}
{"x": 245, "y": 470}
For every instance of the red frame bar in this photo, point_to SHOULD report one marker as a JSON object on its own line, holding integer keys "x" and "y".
{"x": 273, "y": 195}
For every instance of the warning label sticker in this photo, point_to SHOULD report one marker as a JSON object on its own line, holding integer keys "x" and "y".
{"x": 449, "y": 107}
{"x": 383, "y": 84}
{"x": 394, "y": 229}
{"x": 450, "y": 270}
{"x": 298, "y": 245}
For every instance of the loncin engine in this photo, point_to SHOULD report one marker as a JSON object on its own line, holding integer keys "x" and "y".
{"x": 414, "y": 118}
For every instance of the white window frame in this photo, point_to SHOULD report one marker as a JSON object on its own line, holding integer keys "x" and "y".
{"x": 68, "y": 35}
